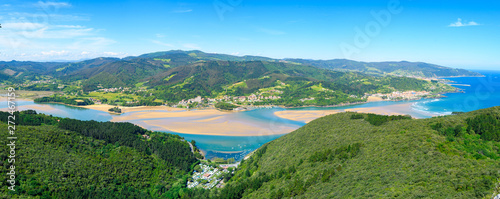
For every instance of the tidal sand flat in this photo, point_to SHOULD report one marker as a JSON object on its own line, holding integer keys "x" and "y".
{"x": 226, "y": 125}
{"x": 305, "y": 115}
{"x": 396, "y": 109}
{"x": 168, "y": 113}
{"x": 106, "y": 107}
{"x": 309, "y": 115}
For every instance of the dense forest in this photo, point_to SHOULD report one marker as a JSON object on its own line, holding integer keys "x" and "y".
{"x": 70, "y": 101}
{"x": 66, "y": 158}
{"x": 337, "y": 156}
{"x": 225, "y": 106}
{"x": 352, "y": 155}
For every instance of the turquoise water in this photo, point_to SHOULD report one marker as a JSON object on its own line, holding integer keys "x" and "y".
{"x": 483, "y": 92}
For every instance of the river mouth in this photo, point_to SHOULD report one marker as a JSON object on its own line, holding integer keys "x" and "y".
{"x": 262, "y": 125}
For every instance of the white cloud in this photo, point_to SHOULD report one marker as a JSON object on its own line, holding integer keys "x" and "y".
{"x": 111, "y": 53}
{"x": 162, "y": 43}
{"x": 182, "y": 11}
{"x": 52, "y": 4}
{"x": 459, "y": 23}
{"x": 54, "y": 53}
{"x": 46, "y": 17}
{"x": 68, "y": 26}
{"x": 5, "y": 7}
{"x": 23, "y": 26}
{"x": 160, "y": 35}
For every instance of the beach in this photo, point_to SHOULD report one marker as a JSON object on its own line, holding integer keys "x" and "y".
{"x": 125, "y": 109}
{"x": 203, "y": 122}
{"x": 305, "y": 115}
{"x": 167, "y": 113}
{"x": 309, "y": 115}
{"x": 215, "y": 122}
{"x": 396, "y": 109}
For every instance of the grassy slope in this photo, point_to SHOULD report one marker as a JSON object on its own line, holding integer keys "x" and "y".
{"x": 405, "y": 159}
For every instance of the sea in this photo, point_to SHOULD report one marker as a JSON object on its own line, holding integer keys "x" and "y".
{"x": 477, "y": 93}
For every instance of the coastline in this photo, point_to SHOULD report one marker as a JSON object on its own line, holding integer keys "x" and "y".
{"x": 125, "y": 109}
{"x": 308, "y": 115}
{"x": 211, "y": 121}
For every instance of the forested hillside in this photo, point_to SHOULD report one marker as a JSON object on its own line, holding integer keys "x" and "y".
{"x": 66, "y": 158}
{"x": 351, "y": 155}
{"x": 404, "y": 68}
{"x": 338, "y": 156}
{"x": 172, "y": 76}
{"x": 294, "y": 82}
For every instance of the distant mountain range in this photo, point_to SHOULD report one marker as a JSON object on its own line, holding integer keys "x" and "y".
{"x": 403, "y": 68}
{"x": 147, "y": 65}
{"x": 179, "y": 75}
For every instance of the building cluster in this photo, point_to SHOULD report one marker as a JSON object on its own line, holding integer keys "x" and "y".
{"x": 229, "y": 99}
{"x": 36, "y": 82}
{"x": 112, "y": 90}
{"x": 96, "y": 101}
{"x": 407, "y": 95}
{"x": 212, "y": 176}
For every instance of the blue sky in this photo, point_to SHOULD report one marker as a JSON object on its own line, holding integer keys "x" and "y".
{"x": 461, "y": 34}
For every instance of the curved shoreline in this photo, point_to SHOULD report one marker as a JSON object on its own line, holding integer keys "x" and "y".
{"x": 211, "y": 121}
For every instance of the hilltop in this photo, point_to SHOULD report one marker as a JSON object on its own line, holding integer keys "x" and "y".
{"x": 157, "y": 61}
{"x": 350, "y": 155}
{"x": 67, "y": 158}
{"x": 178, "y": 78}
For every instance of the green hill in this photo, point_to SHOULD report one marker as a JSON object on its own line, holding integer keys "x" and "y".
{"x": 345, "y": 156}
{"x": 403, "y": 68}
{"x": 66, "y": 158}
{"x": 292, "y": 81}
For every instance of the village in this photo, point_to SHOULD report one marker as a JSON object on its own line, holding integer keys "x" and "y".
{"x": 398, "y": 95}
{"x": 208, "y": 177}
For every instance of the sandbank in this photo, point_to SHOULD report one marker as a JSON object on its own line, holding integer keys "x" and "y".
{"x": 374, "y": 99}
{"x": 305, "y": 115}
{"x": 309, "y": 115}
{"x": 397, "y": 109}
{"x": 223, "y": 126}
{"x": 169, "y": 113}
{"x": 106, "y": 107}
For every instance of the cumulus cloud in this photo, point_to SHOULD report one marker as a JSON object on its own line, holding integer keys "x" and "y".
{"x": 459, "y": 23}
